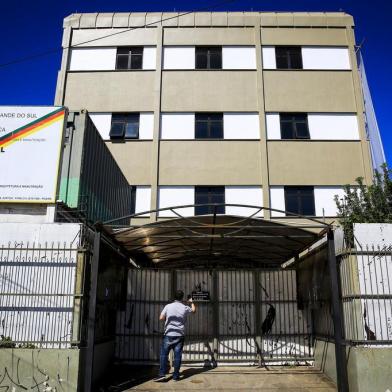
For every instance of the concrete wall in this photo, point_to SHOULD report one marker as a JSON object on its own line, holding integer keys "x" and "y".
{"x": 209, "y": 91}
{"x": 324, "y": 358}
{"x": 26, "y": 213}
{"x": 39, "y": 369}
{"x": 295, "y": 91}
{"x": 369, "y": 368}
{"x": 218, "y": 163}
{"x": 314, "y": 163}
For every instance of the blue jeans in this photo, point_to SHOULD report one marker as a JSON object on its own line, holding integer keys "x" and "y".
{"x": 171, "y": 342}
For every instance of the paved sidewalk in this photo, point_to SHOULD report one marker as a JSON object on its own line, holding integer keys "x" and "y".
{"x": 300, "y": 379}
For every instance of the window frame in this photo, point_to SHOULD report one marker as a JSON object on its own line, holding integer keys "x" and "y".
{"x": 130, "y": 56}
{"x": 209, "y": 192}
{"x": 209, "y": 52}
{"x": 125, "y": 116}
{"x": 299, "y": 195}
{"x": 292, "y": 118}
{"x": 288, "y": 56}
{"x": 209, "y": 121}
{"x": 133, "y": 198}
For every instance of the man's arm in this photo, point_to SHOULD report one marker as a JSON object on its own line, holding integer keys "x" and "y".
{"x": 193, "y": 306}
{"x": 162, "y": 316}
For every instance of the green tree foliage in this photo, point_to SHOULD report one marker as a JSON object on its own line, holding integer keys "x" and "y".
{"x": 366, "y": 204}
{"x": 6, "y": 342}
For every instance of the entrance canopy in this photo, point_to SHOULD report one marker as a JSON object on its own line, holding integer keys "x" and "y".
{"x": 218, "y": 239}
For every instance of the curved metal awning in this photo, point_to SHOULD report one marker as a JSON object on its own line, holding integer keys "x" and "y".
{"x": 217, "y": 239}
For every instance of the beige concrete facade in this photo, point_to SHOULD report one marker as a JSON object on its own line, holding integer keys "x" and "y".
{"x": 309, "y": 91}
{"x": 237, "y": 162}
{"x": 135, "y": 160}
{"x": 287, "y": 166}
{"x": 177, "y": 160}
{"x": 209, "y": 91}
{"x": 304, "y": 36}
{"x": 105, "y": 92}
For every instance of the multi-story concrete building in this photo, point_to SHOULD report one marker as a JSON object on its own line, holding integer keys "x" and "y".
{"x": 264, "y": 109}
{"x": 223, "y": 115}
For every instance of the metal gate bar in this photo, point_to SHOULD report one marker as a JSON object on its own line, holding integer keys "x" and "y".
{"x": 252, "y": 316}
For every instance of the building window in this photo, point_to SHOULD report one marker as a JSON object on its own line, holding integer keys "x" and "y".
{"x": 288, "y": 57}
{"x": 299, "y": 200}
{"x": 133, "y": 199}
{"x": 294, "y": 126}
{"x": 129, "y": 57}
{"x": 125, "y": 126}
{"x": 209, "y": 195}
{"x": 208, "y": 125}
{"x": 208, "y": 57}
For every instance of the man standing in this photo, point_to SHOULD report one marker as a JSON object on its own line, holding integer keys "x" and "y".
{"x": 174, "y": 315}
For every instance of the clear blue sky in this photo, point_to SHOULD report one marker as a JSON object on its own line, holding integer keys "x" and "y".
{"x": 31, "y": 26}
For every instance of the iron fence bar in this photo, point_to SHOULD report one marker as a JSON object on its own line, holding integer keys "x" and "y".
{"x": 257, "y": 299}
{"x": 215, "y": 304}
{"x": 337, "y": 314}
{"x": 47, "y": 342}
{"x": 42, "y": 295}
{"x": 369, "y": 342}
{"x": 367, "y": 296}
{"x": 44, "y": 249}
{"x": 362, "y": 252}
{"x": 89, "y": 363}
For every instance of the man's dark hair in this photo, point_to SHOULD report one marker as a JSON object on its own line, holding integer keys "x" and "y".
{"x": 179, "y": 295}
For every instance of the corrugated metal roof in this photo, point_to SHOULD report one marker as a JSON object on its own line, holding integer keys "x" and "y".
{"x": 217, "y": 239}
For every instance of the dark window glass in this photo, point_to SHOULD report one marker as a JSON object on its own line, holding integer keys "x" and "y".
{"x": 133, "y": 199}
{"x": 125, "y": 126}
{"x": 209, "y": 195}
{"x": 117, "y": 130}
{"x": 288, "y": 57}
{"x": 122, "y": 62}
{"x": 132, "y": 127}
{"x": 299, "y": 200}
{"x": 129, "y": 57}
{"x": 209, "y": 126}
{"x": 208, "y": 57}
{"x": 294, "y": 126}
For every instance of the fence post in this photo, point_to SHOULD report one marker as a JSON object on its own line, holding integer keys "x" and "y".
{"x": 215, "y": 317}
{"x": 337, "y": 316}
{"x": 89, "y": 359}
{"x": 257, "y": 302}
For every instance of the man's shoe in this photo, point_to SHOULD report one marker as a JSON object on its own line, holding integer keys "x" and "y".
{"x": 176, "y": 378}
{"x": 159, "y": 379}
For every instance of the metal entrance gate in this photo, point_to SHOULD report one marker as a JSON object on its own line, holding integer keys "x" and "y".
{"x": 252, "y": 316}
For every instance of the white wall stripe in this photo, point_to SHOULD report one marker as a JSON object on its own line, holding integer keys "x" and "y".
{"x": 250, "y": 195}
{"x": 143, "y": 199}
{"x": 179, "y": 57}
{"x": 238, "y": 57}
{"x": 172, "y": 196}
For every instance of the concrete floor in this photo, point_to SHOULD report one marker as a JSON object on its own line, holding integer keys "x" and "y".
{"x": 299, "y": 379}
